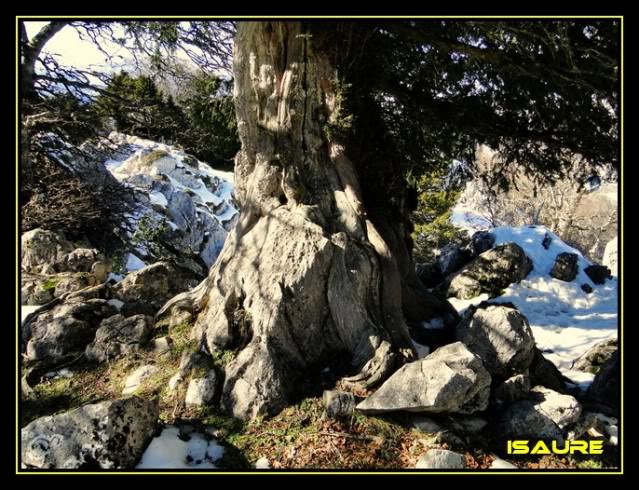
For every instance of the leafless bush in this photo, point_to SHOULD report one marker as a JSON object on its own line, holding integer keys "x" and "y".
{"x": 62, "y": 201}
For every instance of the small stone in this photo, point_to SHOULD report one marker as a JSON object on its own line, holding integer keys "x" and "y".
{"x": 587, "y": 288}
{"x": 138, "y": 377}
{"x": 161, "y": 345}
{"x": 338, "y": 403}
{"x": 262, "y": 464}
{"x": 501, "y": 464}
{"x": 565, "y": 267}
{"x": 441, "y": 459}
{"x": 201, "y": 390}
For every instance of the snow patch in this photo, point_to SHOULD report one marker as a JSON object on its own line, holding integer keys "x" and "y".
{"x": 168, "y": 450}
{"x": 565, "y": 321}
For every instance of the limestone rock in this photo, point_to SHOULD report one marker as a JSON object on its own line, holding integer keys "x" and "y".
{"x": 441, "y": 459}
{"x": 201, "y": 391}
{"x": 544, "y": 415}
{"x": 118, "y": 336}
{"x": 501, "y": 336}
{"x": 107, "y": 435}
{"x": 489, "y": 272}
{"x": 452, "y": 379}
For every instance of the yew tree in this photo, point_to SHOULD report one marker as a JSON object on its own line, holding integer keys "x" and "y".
{"x": 333, "y": 118}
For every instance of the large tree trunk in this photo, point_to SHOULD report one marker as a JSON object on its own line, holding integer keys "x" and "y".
{"x": 307, "y": 277}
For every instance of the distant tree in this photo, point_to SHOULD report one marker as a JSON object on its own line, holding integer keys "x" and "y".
{"x": 212, "y": 130}
{"x": 437, "y": 195}
{"x": 137, "y": 107}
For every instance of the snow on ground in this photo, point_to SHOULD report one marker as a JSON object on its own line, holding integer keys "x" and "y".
{"x": 564, "y": 319}
{"x": 168, "y": 450}
{"x": 188, "y": 196}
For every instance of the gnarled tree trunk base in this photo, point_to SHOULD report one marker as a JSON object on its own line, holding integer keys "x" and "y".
{"x": 306, "y": 277}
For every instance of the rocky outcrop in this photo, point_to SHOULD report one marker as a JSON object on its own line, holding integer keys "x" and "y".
{"x": 452, "y": 379}
{"x": 501, "y": 336}
{"x": 543, "y": 372}
{"x": 490, "y": 272}
{"x": 118, "y": 336}
{"x": 565, "y": 267}
{"x": 43, "y": 250}
{"x": 107, "y": 435}
{"x": 53, "y": 266}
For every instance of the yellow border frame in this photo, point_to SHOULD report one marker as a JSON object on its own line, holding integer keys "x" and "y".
{"x": 329, "y": 472}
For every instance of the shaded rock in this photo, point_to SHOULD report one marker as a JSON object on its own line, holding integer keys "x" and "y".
{"x": 544, "y": 415}
{"x": 338, "y": 403}
{"x": 451, "y": 258}
{"x": 70, "y": 282}
{"x": 592, "y": 360}
{"x": 481, "y": 242}
{"x": 107, "y": 435}
{"x": 565, "y": 267}
{"x": 605, "y": 388}
{"x": 65, "y": 329}
{"x": 469, "y": 425}
{"x": 501, "y": 336}
{"x": 429, "y": 274}
{"x": 546, "y": 241}
{"x": 596, "y": 425}
{"x": 43, "y": 248}
{"x": 451, "y": 379}
{"x": 598, "y": 273}
{"x": 146, "y": 290}
{"x": 490, "y": 272}
{"x": 201, "y": 391}
{"x": 543, "y": 372}
{"x": 441, "y": 459}
{"x": 513, "y": 389}
{"x": 35, "y": 290}
{"x": 426, "y": 424}
{"x": 137, "y": 378}
{"x": 81, "y": 259}
{"x": 118, "y": 336}
{"x": 161, "y": 345}
{"x": 187, "y": 362}
{"x": 587, "y": 288}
